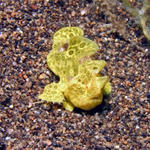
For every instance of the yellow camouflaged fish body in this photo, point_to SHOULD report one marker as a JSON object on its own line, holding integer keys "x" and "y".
{"x": 81, "y": 84}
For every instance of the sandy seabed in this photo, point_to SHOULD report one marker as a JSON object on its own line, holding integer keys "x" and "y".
{"x": 122, "y": 121}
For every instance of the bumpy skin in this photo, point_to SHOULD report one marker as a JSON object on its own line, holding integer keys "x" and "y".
{"x": 81, "y": 84}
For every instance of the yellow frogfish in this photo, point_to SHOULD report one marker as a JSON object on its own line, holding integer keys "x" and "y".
{"x": 81, "y": 84}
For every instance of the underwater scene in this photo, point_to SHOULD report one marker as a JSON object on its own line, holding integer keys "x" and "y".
{"x": 74, "y": 74}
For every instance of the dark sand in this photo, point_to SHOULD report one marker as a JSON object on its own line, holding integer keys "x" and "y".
{"x": 122, "y": 122}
